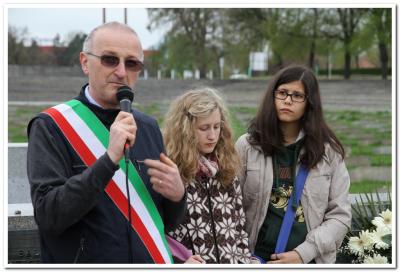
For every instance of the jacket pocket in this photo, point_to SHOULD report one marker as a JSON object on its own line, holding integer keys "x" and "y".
{"x": 251, "y": 188}
{"x": 249, "y": 201}
{"x": 78, "y": 168}
{"x": 252, "y": 184}
{"x": 317, "y": 192}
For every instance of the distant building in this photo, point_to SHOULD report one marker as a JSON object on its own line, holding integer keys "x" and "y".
{"x": 365, "y": 62}
{"x": 151, "y": 62}
{"x": 50, "y": 50}
{"x": 150, "y": 53}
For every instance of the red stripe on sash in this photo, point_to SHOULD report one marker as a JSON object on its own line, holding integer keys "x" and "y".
{"x": 112, "y": 189}
{"x": 120, "y": 200}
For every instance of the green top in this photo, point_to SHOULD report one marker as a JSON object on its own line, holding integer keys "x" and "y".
{"x": 285, "y": 166}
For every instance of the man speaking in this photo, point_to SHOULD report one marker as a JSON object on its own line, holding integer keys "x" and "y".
{"x": 90, "y": 206}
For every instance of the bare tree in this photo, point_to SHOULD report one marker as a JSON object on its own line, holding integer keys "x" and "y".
{"x": 201, "y": 26}
{"x": 17, "y": 53}
{"x": 381, "y": 21}
{"x": 343, "y": 24}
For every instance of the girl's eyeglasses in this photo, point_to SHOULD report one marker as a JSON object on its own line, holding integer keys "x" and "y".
{"x": 282, "y": 94}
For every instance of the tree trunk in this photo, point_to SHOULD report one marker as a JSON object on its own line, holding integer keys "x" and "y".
{"x": 202, "y": 61}
{"x": 311, "y": 58}
{"x": 383, "y": 56}
{"x": 347, "y": 63}
{"x": 203, "y": 71}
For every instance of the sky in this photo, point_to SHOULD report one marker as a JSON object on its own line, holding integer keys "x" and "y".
{"x": 43, "y": 24}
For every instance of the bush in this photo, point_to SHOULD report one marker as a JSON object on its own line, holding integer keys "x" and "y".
{"x": 370, "y": 238}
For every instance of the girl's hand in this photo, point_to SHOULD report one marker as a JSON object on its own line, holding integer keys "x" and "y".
{"x": 290, "y": 257}
{"x": 195, "y": 259}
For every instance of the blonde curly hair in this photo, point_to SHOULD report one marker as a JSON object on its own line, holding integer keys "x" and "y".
{"x": 180, "y": 139}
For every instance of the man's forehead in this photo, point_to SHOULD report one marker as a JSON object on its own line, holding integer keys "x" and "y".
{"x": 105, "y": 32}
{"x": 107, "y": 39}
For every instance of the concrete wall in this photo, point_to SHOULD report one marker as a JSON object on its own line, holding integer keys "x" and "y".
{"x": 18, "y": 185}
{"x": 43, "y": 70}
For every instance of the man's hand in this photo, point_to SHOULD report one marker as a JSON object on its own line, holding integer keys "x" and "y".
{"x": 165, "y": 178}
{"x": 122, "y": 131}
{"x": 290, "y": 257}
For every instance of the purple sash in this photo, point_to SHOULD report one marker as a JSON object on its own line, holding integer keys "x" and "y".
{"x": 178, "y": 250}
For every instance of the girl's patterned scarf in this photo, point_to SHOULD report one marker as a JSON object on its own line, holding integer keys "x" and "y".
{"x": 207, "y": 168}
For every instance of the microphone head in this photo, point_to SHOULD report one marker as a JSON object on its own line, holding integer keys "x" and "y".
{"x": 125, "y": 92}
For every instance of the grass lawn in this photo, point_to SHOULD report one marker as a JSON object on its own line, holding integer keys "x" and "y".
{"x": 368, "y": 186}
{"x": 18, "y": 119}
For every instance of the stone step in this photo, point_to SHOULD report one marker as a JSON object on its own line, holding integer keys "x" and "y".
{"x": 375, "y": 173}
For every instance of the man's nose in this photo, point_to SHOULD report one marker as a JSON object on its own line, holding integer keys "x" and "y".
{"x": 120, "y": 70}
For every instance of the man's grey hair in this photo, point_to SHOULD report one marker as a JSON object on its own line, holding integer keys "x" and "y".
{"x": 87, "y": 44}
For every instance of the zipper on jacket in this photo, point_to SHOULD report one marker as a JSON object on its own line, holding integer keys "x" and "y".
{"x": 190, "y": 239}
{"x": 80, "y": 250}
{"x": 212, "y": 221}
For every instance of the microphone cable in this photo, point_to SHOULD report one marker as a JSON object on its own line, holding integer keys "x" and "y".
{"x": 125, "y": 97}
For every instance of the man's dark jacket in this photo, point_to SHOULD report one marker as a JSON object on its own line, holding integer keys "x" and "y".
{"x": 77, "y": 220}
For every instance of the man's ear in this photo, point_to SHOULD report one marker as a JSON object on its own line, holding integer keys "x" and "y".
{"x": 84, "y": 63}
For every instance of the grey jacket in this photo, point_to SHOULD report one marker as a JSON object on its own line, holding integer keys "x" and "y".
{"x": 325, "y": 201}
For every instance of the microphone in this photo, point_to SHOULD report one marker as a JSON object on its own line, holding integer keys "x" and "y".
{"x": 125, "y": 97}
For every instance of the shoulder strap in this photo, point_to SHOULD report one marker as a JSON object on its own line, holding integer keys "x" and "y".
{"x": 288, "y": 219}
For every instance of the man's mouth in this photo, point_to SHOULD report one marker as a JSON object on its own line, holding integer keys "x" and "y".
{"x": 118, "y": 83}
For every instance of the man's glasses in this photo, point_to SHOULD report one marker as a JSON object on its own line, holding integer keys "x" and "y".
{"x": 113, "y": 61}
{"x": 295, "y": 96}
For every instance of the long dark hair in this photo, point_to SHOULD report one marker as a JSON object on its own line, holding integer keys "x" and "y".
{"x": 264, "y": 128}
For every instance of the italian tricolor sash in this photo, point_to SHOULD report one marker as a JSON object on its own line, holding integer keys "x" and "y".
{"x": 89, "y": 137}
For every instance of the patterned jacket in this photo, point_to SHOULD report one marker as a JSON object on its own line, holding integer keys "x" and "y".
{"x": 219, "y": 234}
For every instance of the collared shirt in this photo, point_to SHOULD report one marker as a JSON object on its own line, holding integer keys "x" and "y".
{"x": 90, "y": 98}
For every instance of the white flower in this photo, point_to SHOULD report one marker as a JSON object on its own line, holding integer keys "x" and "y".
{"x": 376, "y": 259}
{"x": 384, "y": 220}
{"x": 366, "y": 238}
{"x": 377, "y": 237}
{"x": 387, "y": 218}
{"x": 367, "y": 244}
{"x": 355, "y": 246}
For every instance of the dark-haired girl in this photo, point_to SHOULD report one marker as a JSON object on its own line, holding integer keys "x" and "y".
{"x": 294, "y": 180}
